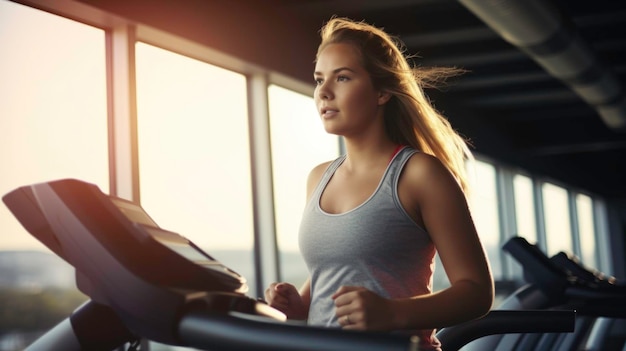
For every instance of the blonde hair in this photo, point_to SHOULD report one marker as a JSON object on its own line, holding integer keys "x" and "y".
{"x": 410, "y": 118}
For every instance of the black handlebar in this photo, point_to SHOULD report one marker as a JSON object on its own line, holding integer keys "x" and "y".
{"x": 235, "y": 332}
{"x": 507, "y": 322}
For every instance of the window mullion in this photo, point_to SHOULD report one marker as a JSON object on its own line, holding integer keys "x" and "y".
{"x": 574, "y": 223}
{"x": 122, "y": 112}
{"x": 542, "y": 241}
{"x": 265, "y": 246}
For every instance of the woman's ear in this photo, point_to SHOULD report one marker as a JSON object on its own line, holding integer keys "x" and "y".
{"x": 383, "y": 97}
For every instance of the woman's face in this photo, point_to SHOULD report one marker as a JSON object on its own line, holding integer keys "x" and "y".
{"x": 345, "y": 97}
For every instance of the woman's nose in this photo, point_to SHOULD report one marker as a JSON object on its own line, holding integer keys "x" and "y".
{"x": 324, "y": 92}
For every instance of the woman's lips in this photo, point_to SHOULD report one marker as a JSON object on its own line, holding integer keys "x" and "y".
{"x": 329, "y": 112}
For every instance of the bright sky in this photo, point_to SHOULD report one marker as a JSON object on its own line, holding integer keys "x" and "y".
{"x": 52, "y": 106}
{"x": 193, "y": 148}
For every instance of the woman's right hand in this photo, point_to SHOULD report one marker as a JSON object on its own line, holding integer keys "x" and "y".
{"x": 286, "y": 298}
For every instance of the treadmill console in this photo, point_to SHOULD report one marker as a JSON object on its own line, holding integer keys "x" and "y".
{"x": 148, "y": 275}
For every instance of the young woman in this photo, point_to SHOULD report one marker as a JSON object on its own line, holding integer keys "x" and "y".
{"x": 376, "y": 216}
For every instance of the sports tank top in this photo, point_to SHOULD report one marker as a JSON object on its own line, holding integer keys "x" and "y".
{"x": 376, "y": 245}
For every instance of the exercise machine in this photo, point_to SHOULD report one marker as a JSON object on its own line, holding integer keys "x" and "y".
{"x": 145, "y": 282}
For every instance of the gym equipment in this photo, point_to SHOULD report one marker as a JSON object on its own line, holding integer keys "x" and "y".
{"x": 560, "y": 283}
{"x": 147, "y": 282}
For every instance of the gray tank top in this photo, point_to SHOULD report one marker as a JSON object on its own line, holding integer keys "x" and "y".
{"x": 376, "y": 245}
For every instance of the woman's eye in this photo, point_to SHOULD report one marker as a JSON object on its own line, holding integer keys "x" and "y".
{"x": 342, "y": 78}
{"x": 318, "y": 81}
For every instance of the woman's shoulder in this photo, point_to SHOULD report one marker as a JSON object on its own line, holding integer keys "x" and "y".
{"x": 319, "y": 170}
{"x": 424, "y": 171}
{"x": 315, "y": 175}
{"x": 423, "y": 162}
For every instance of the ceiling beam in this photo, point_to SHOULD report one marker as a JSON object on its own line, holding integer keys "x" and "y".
{"x": 449, "y": 37}
{"x": 564, "y": 149}
{"x": 470, "y": 82}
{"x": 544, "y": 96}
{"x": 325, "y": 7}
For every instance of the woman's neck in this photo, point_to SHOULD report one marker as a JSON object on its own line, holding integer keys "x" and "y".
{"x": 366, "y": 155}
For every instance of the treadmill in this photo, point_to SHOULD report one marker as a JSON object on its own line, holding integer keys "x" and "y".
{"x": 560, "y": 283}
{"x": 145, "y": 282}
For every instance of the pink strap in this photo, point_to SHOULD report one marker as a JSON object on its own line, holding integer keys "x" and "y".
{"x": 395, "y": 152}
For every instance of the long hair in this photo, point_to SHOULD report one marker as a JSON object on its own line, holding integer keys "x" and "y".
{"x": 410, "y": 118}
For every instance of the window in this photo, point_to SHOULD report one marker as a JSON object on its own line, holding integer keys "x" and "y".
{"x": 525, "y": 208}
{"x": 484, "y": 206}
{"x": 299, "y": 143}
{"x": 53, "y": 118}
{"x": 194, "y": 160}
{"x": 557, "y": 219}
{"x": 586, "y": 232}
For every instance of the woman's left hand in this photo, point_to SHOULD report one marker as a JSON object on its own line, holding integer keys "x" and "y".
{"x": 360, "y": 309}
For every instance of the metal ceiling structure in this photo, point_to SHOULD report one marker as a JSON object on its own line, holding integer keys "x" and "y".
{"x": 545, "y": 87}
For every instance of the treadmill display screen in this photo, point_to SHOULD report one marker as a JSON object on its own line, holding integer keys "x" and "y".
{"x": 178, "y": 245}
{"x": 133, "y": 212}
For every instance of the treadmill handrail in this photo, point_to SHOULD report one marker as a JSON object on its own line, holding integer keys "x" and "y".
{"x": 507, "y": 322}
{"x": 207, "y": 330}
